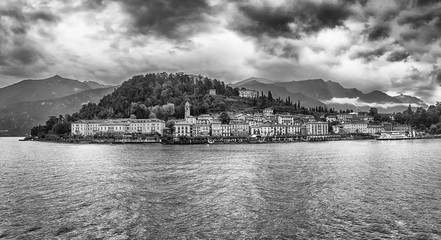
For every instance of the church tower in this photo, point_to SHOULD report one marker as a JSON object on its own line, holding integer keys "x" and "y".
{"x": 187, "y": 110}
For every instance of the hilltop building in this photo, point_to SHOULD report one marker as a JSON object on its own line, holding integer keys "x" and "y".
{"x": 248, "y": 93}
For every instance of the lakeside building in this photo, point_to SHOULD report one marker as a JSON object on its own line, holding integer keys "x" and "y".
{"x": 239, "y": 128}
{"x": 402, "y": 128}
{"x": 294, "y": 129}
{"x": 375, "y": 129}
{"x": 226, "y": 130}
{"x": 200, "y": 130}
{"x": 255, "y": 130}
{"x": 117, "y": 126}
{"x": 266, "y": 130}
{"x": 216, "y": 128}
{"x": 355, "y": 127}
{"x": 183, "y": 129}
{"x": 316, "y": 128}
{"x": 279, "y": 130}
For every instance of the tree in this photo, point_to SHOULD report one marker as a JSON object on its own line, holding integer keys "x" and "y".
{"x": 39, "y": 131}
{"x": 433, "y": 129}
{"x": 61, "y": 128}
{"x": 270, "y": 96}
{"x": 224, "y": 118}
{"x": 51, "y": 122}
{"x": 409, "y": 110}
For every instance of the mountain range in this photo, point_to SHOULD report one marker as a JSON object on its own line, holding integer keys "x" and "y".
{"x": 30, "y": 102}
{"x": 317, "y": 92}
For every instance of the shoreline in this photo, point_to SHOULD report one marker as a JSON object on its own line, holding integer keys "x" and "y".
{"x": 225, "y": 140}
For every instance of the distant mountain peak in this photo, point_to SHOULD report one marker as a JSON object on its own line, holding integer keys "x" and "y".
{"x": 253, "y": 79}
{"x": 410, "y": 99}
{"x": 55, "y": 77}
{"x": 39, "y": 89}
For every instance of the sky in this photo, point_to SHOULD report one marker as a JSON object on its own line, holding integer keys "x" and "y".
{"x": 393, "y": 46}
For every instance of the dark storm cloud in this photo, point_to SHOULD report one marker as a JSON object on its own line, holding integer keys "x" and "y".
{"x": 420, "y": 3}
{"x": 370, "y": 55}
{"x": 44, "y": 16}
{"x": 173, "y": 19}
{"x": 308, "y": 17}
{"x": 436, "y": 75}
{"x": 419, "y": 17}
{"x": 378, "y": 32}
{"x": 19, "y": 22}
{"x": 27, "y": 17}
{"x": 93, "y": 4}
{"x": 397, "y": 56}
{"x": 283, "y": 50}
{"x": 24, "y": 55}
{"x": 438, "y": 78}
{"x": 18, "y": 51}
{"x": 424, "y": 23}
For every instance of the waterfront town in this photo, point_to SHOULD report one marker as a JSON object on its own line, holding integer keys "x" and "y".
{"x": 262, "y": 124}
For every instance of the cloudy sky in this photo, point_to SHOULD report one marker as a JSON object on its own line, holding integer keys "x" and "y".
{"x": 394, "y": 46}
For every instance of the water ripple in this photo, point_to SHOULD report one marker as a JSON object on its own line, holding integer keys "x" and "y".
{"x": 329, "y": 190}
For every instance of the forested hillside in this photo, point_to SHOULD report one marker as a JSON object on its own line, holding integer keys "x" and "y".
{"x": 160, "y": 95}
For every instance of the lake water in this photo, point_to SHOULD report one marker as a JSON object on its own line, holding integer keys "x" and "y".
{"x": 325, "y": 190}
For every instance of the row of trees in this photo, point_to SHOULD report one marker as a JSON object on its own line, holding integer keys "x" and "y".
{"x": 54, "y": 125}
{"x": 284, "y": 105}
{"x": 422, "y": 119}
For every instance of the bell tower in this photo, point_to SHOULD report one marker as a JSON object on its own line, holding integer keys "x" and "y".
{"x": 187, "y": 110}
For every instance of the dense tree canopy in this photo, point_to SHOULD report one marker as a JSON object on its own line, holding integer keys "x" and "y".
{"x": 143, "y": 95}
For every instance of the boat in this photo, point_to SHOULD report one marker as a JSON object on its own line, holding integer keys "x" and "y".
{"x": 393, "y": 135}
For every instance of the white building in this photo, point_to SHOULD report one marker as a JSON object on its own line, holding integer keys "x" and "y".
{"x": 146, "y": 126}
{"x": 226, "y": 130}
{"x": 248, "y": 93}
{"x": 182, "y": 129}
{"x": 117, "y": 126}
{"x": 216, "y": 128}
{"x": 355, "y": 127}
{"x": 331, "y": 118}
{"x": 286, "y": 119}
{"x": 316, "y": 128}
{"x": 293, "y": 129}
{"x": 374, "y": 129}
{"x": 266, "y": 130}
{"x": 268, "y": 111}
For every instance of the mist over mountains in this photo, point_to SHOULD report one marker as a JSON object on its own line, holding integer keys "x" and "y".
{"x": 317, "y": 92}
